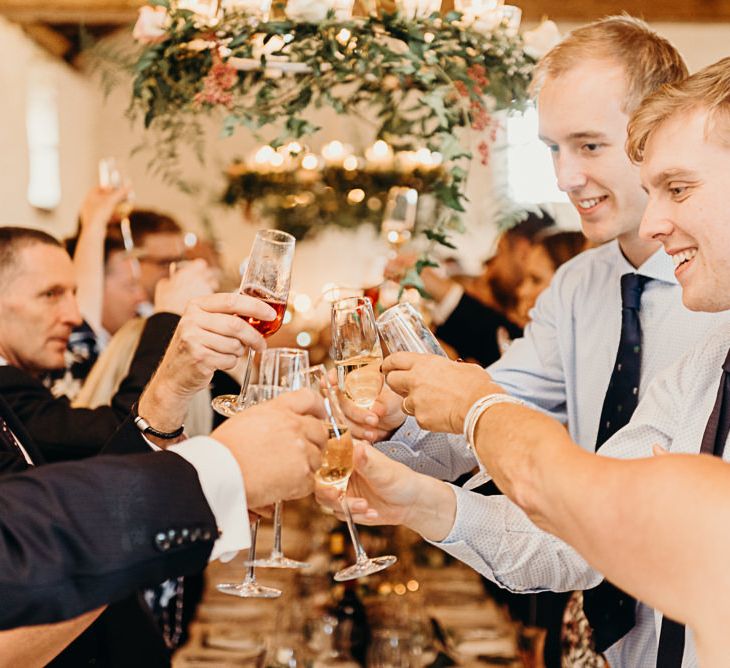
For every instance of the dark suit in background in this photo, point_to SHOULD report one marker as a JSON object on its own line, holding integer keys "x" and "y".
{"x": 62, "y": 432}
{"x": 472, "y": 330}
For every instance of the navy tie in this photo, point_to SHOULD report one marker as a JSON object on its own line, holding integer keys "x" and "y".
{"x": 611, "y": 612}
{"x": 671, "y": 638}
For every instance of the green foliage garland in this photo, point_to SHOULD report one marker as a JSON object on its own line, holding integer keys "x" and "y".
{"x": 417, "y": 82}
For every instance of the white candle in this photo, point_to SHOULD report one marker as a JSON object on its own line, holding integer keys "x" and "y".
{"x": 335, "y": 152}
{"x": 379, "y": 155}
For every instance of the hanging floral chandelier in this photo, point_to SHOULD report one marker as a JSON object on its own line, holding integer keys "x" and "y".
{"x": 416, "y": 76}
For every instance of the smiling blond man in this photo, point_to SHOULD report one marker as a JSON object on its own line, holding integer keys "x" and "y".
{"x": 567, "y": 363}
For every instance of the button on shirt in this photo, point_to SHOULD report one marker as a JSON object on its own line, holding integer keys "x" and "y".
{"x": 562, "y": 366}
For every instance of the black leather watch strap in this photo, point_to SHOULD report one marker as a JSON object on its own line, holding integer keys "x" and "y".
{"x": 146, "y": 428}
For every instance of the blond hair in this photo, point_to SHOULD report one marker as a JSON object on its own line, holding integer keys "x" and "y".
{"x": 113, "y": 365}
{"x": 708, "y": 89}
{"x": 648, "y": 60}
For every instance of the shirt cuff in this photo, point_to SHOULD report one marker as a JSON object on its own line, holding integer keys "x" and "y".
{"x": 223, "y": 487}
{"x": 440, "y": 312}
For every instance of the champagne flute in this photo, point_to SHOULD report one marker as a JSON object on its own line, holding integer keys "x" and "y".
{"x": 250, "y": 588}
{"x": 399, "y": 217}
{"x": 282, "y": 368}
{"x": 335, "y": 471}
{"x": 402, "y": 329}
{"x": 267, "y": 277}
{"x": 356, "y": 350}
{"x": 111, "y": 177}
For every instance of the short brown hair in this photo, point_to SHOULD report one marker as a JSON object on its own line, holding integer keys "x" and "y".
{"x": 649, "y": 60}
{"x": 145, "y": 222}
{"x": 708, "y": 89}
{"x": 13, "y": 239}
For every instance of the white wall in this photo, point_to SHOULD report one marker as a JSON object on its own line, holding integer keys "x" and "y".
{"x": 20, "y": 61}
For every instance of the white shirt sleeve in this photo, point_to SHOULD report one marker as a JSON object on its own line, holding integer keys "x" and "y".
{"x": 443, "y": 456}
{"x": 223, "y": 487}
{"x": 497, "y": 539}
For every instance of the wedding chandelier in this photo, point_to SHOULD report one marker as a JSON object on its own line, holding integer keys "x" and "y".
{"x": 418, "y": 76}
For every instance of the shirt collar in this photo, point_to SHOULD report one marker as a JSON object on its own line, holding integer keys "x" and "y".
{"x": 658, "y": 266}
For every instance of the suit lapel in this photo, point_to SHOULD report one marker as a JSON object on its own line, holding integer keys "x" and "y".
{"x": 20, "y": 432}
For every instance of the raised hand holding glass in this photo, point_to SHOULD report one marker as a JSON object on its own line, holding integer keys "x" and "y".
{"x": 267, "y": 277}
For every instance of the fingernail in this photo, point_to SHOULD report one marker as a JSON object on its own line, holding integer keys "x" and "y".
{"x": 372, "y": 514}
{"x": 370, "y": 435}
{"x": 372, "y": 420}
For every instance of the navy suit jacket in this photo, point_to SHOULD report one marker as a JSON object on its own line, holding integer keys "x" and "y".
{"x": 62, "y": 432}
{"x": 74, "y": 536}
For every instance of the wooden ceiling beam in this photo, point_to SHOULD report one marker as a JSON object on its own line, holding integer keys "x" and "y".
{"x": 124, "y": 11}
{"x": 580, "y": 11}
{"x": 105, "y": 12}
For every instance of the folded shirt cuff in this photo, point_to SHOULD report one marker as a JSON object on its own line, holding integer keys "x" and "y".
{"x": 224, "y": 490}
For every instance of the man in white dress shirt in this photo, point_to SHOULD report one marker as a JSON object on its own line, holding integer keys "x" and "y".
{"x": 588, "y": 86}
{"x": 660, "y": 532}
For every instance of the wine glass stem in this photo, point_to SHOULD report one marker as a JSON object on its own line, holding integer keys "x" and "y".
{"x": 246, "y": 377}
{"x": 360, "y": 555}
{"x": 276, "y": 551}
{"x": 251, "y": 572}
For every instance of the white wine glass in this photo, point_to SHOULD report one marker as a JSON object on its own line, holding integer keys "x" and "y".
{"x": 399, "y": 217}
{"x": 335, "y": 471}
{"x": 249, "y": 587}
{"x": 282, "y": 368}
{"x": 267, "y": 277}
{"x": 356, "y": 350}
{"x": 403, "y": 330}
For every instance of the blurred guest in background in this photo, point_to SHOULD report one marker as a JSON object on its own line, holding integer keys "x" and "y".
{"x": 158, "y": 242}
{"x": 552, "y": 249}
{"x": 469, "y": 323}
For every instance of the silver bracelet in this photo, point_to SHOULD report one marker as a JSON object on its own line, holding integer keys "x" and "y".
{"x": 478, "y": 408}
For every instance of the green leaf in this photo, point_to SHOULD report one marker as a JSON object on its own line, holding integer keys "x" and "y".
{"x": 439, "y": 237}
{"x": 450, "y": 196}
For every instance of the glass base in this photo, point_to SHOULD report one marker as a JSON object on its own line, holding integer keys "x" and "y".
{"x": 360, "y": 570}
{"x": 227, "y": 405}
{"x": 248, "y": 590}
{"x": 279, "y": 562}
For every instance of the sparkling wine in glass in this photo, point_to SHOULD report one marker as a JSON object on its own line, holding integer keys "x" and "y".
{"x": 267, "y": 277}
{"x": 335, "y": 471}
{"x": 282, "y": 368}
{"x": 249, "y": 587}
{"x": 356, "y": 350}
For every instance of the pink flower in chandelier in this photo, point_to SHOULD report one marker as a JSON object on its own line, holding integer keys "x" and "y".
{"x": 217, "y": 84}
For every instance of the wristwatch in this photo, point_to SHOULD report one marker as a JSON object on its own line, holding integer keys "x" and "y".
{"x": 147, "y": 429}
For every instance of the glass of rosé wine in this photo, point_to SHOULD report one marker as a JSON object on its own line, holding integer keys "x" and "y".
{"x": 267, "y": 277}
